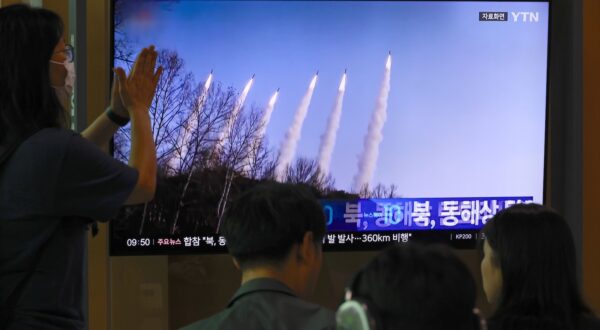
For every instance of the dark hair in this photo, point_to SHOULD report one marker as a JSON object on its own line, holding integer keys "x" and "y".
{"x": 265, "y": 221}
{"x": 28, "y": 103}
{"x": 418, "y": 287}
{"x": 534, "y": 249}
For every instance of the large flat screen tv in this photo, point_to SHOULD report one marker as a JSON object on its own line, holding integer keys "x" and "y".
{"x": 410, "y": 120}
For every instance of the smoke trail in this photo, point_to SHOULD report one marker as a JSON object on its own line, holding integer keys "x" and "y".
{"x": 368, "y": 160}
{"x": 226, "y": 132}
{"x": 190, "y": 125}
{"x": 333, "y": 123}
{"x": 266, "y": 118}
{"x": 290, "y": 141}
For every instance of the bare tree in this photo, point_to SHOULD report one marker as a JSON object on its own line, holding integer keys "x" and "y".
{"x": 240, "y": 142}
{"x": 123, "y": 51}
{"x": 364, "y": 191}
{"x": 259, "y": 160}
{"x": 173, "y": 98}
{"x": 216, "y": 108}
{"x": 307, "y": 171}
{"x": 379, "y": 191}
{"x": 174, "y": 95}
{"x": 235, "y": 151}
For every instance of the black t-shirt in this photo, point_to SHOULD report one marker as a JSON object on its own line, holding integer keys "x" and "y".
{"x": 51, "y": 189}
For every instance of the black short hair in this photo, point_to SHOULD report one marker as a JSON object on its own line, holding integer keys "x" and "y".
{"x": 418, "y": 287}
{"x": 534, "y": 248}
{"x": 264, "y": 222}
{"x": 28, "y": 103}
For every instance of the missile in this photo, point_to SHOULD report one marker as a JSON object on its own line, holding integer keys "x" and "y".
{"x": 317, "y": 73}
{"x": 277, "y": 89}
{"x": 388, "y": 64}
{"x": 254, "y": 74}
{"x": 211, "y": 71}
{"x": 345, "y": 70}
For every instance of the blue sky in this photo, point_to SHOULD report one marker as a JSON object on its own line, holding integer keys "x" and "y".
{"x": 466, "y": 112}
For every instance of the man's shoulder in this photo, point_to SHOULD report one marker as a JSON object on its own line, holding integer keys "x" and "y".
{"x": 269, "y": 311}
{"x": 299, "y": 311}
{"x": 213, "y": 322}
{"x": 273, "y": 310}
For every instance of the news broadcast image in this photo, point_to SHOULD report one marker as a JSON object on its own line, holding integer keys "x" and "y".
{"x": 408, "y": 119}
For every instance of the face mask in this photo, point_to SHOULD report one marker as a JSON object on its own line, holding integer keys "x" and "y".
{"x": 65, "y": 92}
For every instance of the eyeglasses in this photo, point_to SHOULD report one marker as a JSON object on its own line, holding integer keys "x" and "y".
{"x": 69, "y": 52}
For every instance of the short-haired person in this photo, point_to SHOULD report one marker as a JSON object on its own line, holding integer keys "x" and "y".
{"x": 274, "y": 233}
{"x": 529, "y": 272}
{"x": 411, "y": 287}
{"x": 53, "y": 181}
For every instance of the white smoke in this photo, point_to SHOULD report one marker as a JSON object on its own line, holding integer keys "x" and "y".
{"x": 292, "y": 136}
{"x": 368, "y": 159}
{"x": 226, "y": 131}
{"x": 189, "y": 126}
{"x": 333, "y": 123}
{"x": 266, "y": 118}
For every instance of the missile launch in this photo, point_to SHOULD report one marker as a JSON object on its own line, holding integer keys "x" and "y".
{"x": 292, "y": 136}
{"x": 189, "y": 126}
{"x": 368, "y": 159}
{"x": 333, "y": 123}
{"x": 226, "y": 131}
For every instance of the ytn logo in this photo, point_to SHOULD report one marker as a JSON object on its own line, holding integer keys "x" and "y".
{"x": 525, "y": 16}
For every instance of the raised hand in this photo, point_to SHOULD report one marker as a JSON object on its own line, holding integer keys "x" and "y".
{"x": 137, "y": 90}
{"x": 116, "y": 104}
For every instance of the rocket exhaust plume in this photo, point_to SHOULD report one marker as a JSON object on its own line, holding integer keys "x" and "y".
{"x": 333, "y": 123}
{"x": 233, "y": 117}
{"x": 266, "y": 118}
{"x": 190, "y": 125}
{"x": 368, "y": 158}
{"x": 292, "y": 136}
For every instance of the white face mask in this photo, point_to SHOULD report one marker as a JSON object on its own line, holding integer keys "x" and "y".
{"x": 65, "y": 92}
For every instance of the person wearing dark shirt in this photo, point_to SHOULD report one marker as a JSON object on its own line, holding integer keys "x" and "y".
{"x": 411, "y": 287}
{"x": 529, "y": 272}
{"x": 53, "y": 181}
{"x": 274, "y": 233}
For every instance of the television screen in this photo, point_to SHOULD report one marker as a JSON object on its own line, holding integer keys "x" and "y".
{"x": 410, "y": 120}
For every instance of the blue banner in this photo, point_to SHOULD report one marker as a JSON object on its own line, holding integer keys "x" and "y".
{"x": 414, "y": 213}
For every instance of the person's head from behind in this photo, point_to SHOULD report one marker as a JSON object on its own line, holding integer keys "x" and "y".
{"x": 529, "y": 263}
{"x": 30, "y": 65}
{"x": 411, "y": 287}
{"x": 277, "y": 228}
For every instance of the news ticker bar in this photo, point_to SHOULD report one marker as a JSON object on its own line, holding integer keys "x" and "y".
{"x": 337, "y": 241}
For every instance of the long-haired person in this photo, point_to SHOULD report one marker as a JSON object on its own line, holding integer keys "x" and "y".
{"x": 53, "y": 181}
{"x": 529, "y": 272}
